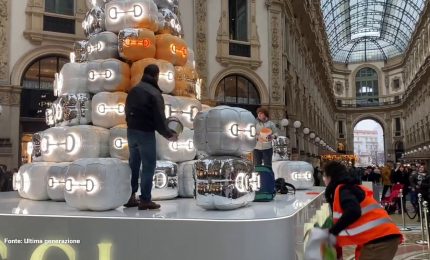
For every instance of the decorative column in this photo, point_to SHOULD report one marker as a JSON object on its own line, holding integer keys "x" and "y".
{"x": 9, "y": 125}
{"x": 275, "y": 43}
{"x": 9, "y": 96}
{"x": 4, "y": 41}
{"x": 201, "y": 49}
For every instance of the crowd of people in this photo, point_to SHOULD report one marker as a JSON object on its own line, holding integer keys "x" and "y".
{"x": 413, "y": 179}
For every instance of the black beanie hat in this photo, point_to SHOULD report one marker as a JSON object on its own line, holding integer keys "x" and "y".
{"x": 152, "y": 70}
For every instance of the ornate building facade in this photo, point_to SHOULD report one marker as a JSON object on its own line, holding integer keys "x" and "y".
{"x": 248, "y": 53}
{"x": 394, "y": 92}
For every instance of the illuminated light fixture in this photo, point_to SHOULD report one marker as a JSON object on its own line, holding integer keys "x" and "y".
{"x": 73, "y": 143}
{"x": 306, "y": 130}
{"x": 160, "y": 180}
{"x": 138, "y": 42}
{"x": 297, "y": 173}
{"x": 245, "y": 182}
{"x": 317, "y": 139}
{"x": 104, "y": 109}
{"x": 94, "y": 75}
{"x": 44, "y": 144}
{"x": 420, "y": 149}
{"x": 255, "y": 181}
{"x": 297, "y": 124}
{"x": 26, "y": 183}
{"x": 284, "y": 122}
{"x": 168, "y": 75}
{"x": 96, "y": 47}
{"x": 199, "y": 89}
{"x": 235, "y": 130}
{"x": 53, "y": 182}
{"x": 173, "y": 48}
{"x": 30, "y": 148}
{"x": 70, "y": 143}
{"x": 137, "y": 10}
{"x": 89, "y": 184}
{"x": 192, "y": 111}
{"x": 182, "y": 51}
{"x": 425, "y": 148}
{"x": 297, "y": 176}
{"x": 241, "y": 183}
{"x": 72, "y": 58}
{"x": 58, "y": 84}
{"x": 58, "y": 112}
{"x": 114, "y": 11}
{"x": 17, "y": 181}
{"x": 119, "y": 143}
{"x": 312, "y": 135}
{"x": 69, "y": 184}
{"x": 176, "y": 146}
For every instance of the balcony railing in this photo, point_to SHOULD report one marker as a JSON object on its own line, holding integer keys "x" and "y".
{"x": 371, "y": 102}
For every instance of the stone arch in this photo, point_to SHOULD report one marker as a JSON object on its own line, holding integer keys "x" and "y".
{"x": 377, "y": 118}
{"x": 22, "y": 63}
{"x": 251, "y": 75}
{"x": 374, "y": 117}
{"x": 380, "y": 78}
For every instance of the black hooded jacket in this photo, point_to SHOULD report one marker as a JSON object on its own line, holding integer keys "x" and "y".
{"x": 144, "y": 108}
{"x": 351, "y": 195}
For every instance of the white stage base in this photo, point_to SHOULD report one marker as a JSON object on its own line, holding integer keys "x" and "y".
{"x": 179, "y": 230}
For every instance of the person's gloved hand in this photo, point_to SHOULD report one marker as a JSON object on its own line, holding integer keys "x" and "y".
{"x": 331, "y": 238}
{"x": 328, "y": 236}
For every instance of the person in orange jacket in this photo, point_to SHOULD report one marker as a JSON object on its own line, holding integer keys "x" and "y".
{"x": 358, "y": 218}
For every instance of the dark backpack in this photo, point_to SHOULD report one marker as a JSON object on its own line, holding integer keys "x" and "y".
{"x": 282, "y": 186}
{"x": 267, "y": 183}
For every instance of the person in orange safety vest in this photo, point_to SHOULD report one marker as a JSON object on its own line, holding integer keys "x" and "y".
{"x": 358, "y": 218}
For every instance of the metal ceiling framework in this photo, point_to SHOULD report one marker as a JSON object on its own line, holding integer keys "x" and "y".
{"x": 369, "y": 30}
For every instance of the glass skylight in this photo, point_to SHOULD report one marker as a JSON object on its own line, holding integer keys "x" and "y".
{"x": 369, "y": 30}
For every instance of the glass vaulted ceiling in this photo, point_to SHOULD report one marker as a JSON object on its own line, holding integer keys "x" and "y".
{"x": 369, "y": 30}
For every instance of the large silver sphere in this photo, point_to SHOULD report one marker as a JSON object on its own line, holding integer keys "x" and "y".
{"x": 224, "y": 183}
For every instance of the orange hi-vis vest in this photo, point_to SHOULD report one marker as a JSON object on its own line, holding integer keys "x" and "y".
{"x": 373, "y": 223}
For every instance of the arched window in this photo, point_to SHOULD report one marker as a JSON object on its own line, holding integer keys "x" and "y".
{"x": 238, "y": 91}
{"x": 37, "y": 94}
{"x": 37, "y": 83}
{"x": 366, "y": 82}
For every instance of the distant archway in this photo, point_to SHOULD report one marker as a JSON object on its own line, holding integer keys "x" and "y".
{"x": 369, "y": 142}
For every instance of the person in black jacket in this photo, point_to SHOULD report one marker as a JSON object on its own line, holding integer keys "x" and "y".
{"x": 401, "y": 176}
{"x": 144, "y": 110}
